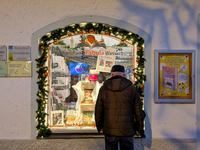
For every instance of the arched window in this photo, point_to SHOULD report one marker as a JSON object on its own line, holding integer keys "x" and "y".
{"x": 74, "y": 63}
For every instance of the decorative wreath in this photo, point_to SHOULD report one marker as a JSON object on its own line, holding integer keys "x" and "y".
{"x": 92, "y": 28}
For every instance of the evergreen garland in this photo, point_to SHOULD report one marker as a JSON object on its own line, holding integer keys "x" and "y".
{"x": 92, "y": 28}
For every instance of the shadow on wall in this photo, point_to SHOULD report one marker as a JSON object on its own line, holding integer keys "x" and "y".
{"x": 158, "y": 14}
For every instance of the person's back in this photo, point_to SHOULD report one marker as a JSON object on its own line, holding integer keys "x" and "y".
{"x": 118, "y": 101}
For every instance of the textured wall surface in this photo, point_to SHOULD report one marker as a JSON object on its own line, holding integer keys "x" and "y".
{"x": 171, "y": 24}
{"x": 97, "y": 144}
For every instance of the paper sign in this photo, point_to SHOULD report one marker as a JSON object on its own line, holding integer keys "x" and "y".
{"x": 19, "y": 68}
{"x": 106, "y": 60}
{"x": 3, "y": 53}
{"x": 19, "y": 53}
{"x": 3, "y": 68}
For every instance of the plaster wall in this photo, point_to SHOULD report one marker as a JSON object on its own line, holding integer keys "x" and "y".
{"x": 171, "y": 25}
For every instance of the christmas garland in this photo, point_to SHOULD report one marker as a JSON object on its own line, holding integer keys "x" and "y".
{"x": 92, "y": 28}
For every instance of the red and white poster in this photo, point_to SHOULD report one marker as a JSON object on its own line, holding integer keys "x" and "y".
{"x": 106, "y": 61}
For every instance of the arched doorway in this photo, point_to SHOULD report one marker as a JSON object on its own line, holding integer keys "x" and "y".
{"x": 58, "y": 33}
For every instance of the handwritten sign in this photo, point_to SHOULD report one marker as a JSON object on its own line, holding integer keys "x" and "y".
{"x": 3, "y": 53}
{"x": 19, "y": 68}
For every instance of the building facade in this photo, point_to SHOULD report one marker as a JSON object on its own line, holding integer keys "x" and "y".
{"x": 164, "y": 25}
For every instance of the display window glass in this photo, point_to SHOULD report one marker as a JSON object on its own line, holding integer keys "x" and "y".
{"x": 78, "y": 66}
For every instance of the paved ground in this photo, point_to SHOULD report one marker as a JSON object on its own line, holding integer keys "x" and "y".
{"x": 95, "y": 144}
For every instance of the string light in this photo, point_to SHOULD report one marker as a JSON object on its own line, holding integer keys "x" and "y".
{"x": 72, "y": 29}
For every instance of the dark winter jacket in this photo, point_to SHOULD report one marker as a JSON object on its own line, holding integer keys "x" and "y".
{"x": 117, "y": 104}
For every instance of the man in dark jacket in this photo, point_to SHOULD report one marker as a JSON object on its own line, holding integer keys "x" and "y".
{"x": 117, "y": 104}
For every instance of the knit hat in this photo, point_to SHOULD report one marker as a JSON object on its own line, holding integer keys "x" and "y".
{"x": 117, "y": 68}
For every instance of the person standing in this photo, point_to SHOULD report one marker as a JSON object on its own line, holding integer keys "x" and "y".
{"x": 117, "y": 104}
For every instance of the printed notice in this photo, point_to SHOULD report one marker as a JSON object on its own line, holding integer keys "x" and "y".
{"x": 174, "y": 75}
{"x": 3, "y": 53}
{"x": 3, "y": 68}
{"x": 19, "y": 68}
{"x": 106, "y": 60}
{"x": 19, "y": 53}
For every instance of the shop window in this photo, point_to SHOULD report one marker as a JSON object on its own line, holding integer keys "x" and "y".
{"x": 77, "y": 71}
{"x": 79, "y": 59}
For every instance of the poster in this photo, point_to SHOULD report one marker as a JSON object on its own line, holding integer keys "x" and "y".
{"x": 3, "y": 68}
{"x": 174, "y": 78}
{"x": 106, "y": 60}
{"x": 3, "y": 53}
{"x": 175, "y": 75}
{"x": 57, "y": 118}
{"x": 19, "y": 68}
{"x": 18, "y": 53}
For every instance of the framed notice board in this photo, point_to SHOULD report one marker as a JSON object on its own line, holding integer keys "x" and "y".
{"x": 175, "y": 76}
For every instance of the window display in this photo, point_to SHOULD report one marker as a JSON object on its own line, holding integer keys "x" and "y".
{"x": 77, "y": 74}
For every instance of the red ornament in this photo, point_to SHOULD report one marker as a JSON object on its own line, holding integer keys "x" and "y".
{"x": 107, "y": 33}
{"x": 91, "y": 31}
{"x": 141, "y": 86}
{"x": 46, "y": 74}
{"x": 69, "y": 34}
{"x": 56, "y": 41}
{"x": 122, "y": 40}
{"x": 139, "y": 48}
{"x": 42, "y": 48}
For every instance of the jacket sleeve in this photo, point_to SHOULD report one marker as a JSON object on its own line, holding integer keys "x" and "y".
{"x": 99, "y": 111}
{"x": 139, "y": 114}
